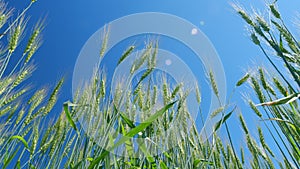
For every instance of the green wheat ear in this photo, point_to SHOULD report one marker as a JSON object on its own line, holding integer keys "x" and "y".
{"x": 34, "y": 38}
{"x": 275, "y": 11}
{"x": 104, "y": 40}
{"x": 243, "y": 79}
{"x": 16, "y": 34}
{"x": 126, "y": 54}
{"x": 213, "y": 83}
{"x": 243, "y": 123}
{"x": 217, "y": 112}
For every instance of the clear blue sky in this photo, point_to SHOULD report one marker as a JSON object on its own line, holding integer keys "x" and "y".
{"x": 71, "y": 22}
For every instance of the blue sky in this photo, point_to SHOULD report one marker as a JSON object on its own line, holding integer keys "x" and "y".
{"x": 69, "y": 24}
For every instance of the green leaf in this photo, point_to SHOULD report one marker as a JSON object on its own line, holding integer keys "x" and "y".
{"x": 125, "y": 118}
{"x": 143, "y": 148}
{"x": 196, "y": 163}
{"x": 9, "y": 159}
{"x": 20, "y": 139}
{"x": 162, "y": 165}
{"x": 142, "y": 125}
{"x": 89, "y": 159}
{"x": 98, "y": 159}
{"x": 78, "y": 164}
{"x": 202, "y": 161}
{"x": 32, "y": 166}
{"x": 132, "y": 133}
{"x": 18, "y": 165}
{"x": 223, "y": 120}
{"x": 69, "y": 117}
{"x": 128, "y": 144}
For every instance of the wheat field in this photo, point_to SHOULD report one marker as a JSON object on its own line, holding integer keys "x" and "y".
{"x": 93, "y": 131}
